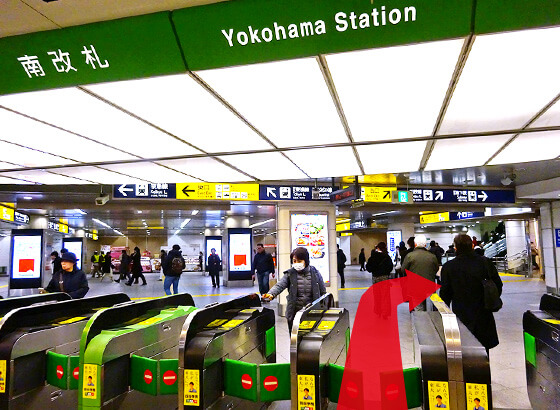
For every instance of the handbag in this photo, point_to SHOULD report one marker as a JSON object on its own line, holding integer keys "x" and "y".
{"x": 272, "y": 282}
{"x": 492, "y": 300}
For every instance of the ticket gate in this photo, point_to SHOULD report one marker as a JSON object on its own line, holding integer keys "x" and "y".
{"x": 220, "y": 351}
{"x": 128, "y": 355}
{"x": 453, "y": 363}
{"x": 318, "y": 347}
{"x": 9, "y": 304}
{"x": 541, "y": 333}
{"x": 39, "y": 347}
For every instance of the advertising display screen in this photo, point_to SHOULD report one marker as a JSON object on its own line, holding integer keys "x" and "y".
{"x": 393, "y": 240}
{"x": 310, "y": 231}
{"x": 74, "y": 245}
{"x": 213, "y": 242}
{"x": 26, "y": 259}
{"x": 240, "y": 256}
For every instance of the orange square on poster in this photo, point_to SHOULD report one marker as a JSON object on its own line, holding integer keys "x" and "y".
{"x": 239, "y": 260}
{"x": 26, "y": 265}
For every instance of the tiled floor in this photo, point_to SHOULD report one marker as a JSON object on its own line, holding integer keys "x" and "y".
{"x": 507, "y": 360}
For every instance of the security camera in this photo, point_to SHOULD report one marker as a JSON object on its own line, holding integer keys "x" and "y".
{"x": 315, "y": 193}
{"x": 508, "y": 179}
{"x": 102, "y": 200}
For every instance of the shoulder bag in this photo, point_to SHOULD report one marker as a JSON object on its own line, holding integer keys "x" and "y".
{"x": 492, "y": 300}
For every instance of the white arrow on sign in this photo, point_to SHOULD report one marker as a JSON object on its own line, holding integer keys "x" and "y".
{"x": 123, "y": 190}
{"x": 439, "y": 195}
{"x": 271, "y": 191}
{"x": 484, "y": 196}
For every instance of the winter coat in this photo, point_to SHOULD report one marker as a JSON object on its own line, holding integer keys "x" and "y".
{"x": 362, "y": 258}
{"x": 262, "y": 262}
{"x": 214, "y": 265}
{"x": 125, "y": 260}
{"x": 461, "y": 288}
{"x": 74, "y": 283}
{"x": 107, "y": 264}
{"x": 57, "y": 264}
{"x": 136, "y": 264}
{"x": 293, "y": 281}
{"x": 340, "y": 260}
{"x": 379, "y": 264}
{"x": 169, "y": 260}
{"x": 421, "y": 262}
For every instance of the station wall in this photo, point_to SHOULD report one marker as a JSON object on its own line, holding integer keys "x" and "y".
{"x": 5, "y": 251}
{"x": 367, "y": 240}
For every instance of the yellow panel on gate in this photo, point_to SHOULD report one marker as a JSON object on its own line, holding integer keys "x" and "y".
{"x": 227, "y": 192}
{"x": 377, "y": 194}
{"x": 477, "y": 394}
{"x": 306, "y": 391}
{"x": 191, "y": 389}
{"x": 438, "y": 394}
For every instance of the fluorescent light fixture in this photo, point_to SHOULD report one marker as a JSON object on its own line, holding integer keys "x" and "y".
{"x": 29, "y": 198}
{"x": 262, "y": 223}
{"x": 195, "y": 212}
{"x": 30, "y": 158}
{"x": 101, "y": 223}
{"x": 185, "y": 222}
{"x": 391, "y": 158}
{"x": 394, "y": 92}
{"x": 79, "y": 211}
{"x": 267, "y": 167}
{"x": 206, "y": 169}
{"x": 176, "y": 232}
{"x": 139, "y": 212}
{"x": 301, "y": 107}
{"x": 528, "y": 147}
{"x": 326, "y": 162}
{"x": 499, "y": 90}
{"x": 384, "y": 213}
{"x": 119, "y": 232}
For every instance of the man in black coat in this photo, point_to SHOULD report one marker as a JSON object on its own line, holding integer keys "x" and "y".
{"x": 214, "y": 266}
{"x": 56, "y": 262}
{"x": 340, "y": 264}
{"x": 461, "y": 288}
{"x": 263, "y": 266}
{"x": 69, "y": 279}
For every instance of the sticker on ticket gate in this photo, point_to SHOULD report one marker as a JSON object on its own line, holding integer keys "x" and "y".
{"x": 72, "y": 320}
{"x": 89, "y": 388}
{"x": 315, "y": 312}
{"x": 2, "y": 376}
{"x": 333, "y": 311}
{"x": 248, "y": 310}
{"x": 191, "y": 388}
{"x": 306, "y": 392}
{"x": 477, "y": 395}
{"x": 553, "y": 321}
{"x": 232, "y": 323}
{"x": 326, "y": 325}
{"x": 438, "y": 395}
{"x": 216, "y": 323}
{"x": 307, "y": 324}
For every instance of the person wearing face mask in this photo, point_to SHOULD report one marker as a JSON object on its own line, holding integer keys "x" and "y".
{"x": 304, "y": 284}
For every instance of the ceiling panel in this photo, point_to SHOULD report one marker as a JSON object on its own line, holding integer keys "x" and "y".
{"x": 43, "y": 177}
{"x": 149, "y": 172}
{"x": 74, "y": 110}
{"x": 266, "y": 166}
{"x": 394, "y": 92}
{"x": 288, "y": 101}
{"x": 99, "y": 175}
{"x": 11, "y": 181}
{"x": 550, "y": 118}
{"x": 507, "y": 79}
{"x": 206, "y": 169}
{"x": 533, "y": 146}
{"x": 465, "y": 152}
{"x": 326, "y": 162}
{"x": 7, "y": 165}
{"x": 34, "y": 134}
{"x": 181, "y": 106}
{"x": 28, "y": 157}
{"x": 392, "y": 158}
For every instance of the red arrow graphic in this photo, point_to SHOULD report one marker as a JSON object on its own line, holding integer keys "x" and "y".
{"x": 373, "y": 376}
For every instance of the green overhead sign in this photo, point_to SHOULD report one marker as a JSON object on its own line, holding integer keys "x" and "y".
{"x": 135, "y": 47}
{"x": 251, "y": 31}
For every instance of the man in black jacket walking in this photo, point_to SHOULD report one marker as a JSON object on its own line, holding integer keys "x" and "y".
{"x": 214, "y": 266}
{"x": 173, "y": 266}
{"x": 340, "y": 264}
{"x": 263, "y": 266}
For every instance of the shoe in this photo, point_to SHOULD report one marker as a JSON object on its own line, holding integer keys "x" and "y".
{"x": 128, "y": 284}
{"x": 213, "y": 286}
{"x": 136, "y": 283}
{"x": 143, "y": 284}
{"x": 117, "y": 280}
{"x": 160, "y": 280}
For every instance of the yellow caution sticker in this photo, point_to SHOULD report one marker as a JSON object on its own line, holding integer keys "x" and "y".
{"x": 89, "y": 388}
{"x": 477, "y": 395}
{"x": 248, "y": 310}
{"x": 438, "y": 395}
{"x": 316, "y": 312}
{"x": 333, "y": 311}
{"x": 326, "y": 325}
{"x": 553, "y": 321}
{"x": 306, "y": 392}
{"x": 191, "y": 388}
{"x": 216, "y": 323}
{"x": 149, "y": 321}
{"x": 435, "y": 298}
{"x": 307, "y": 324}
{"x": 232, "y": 323}
{"x": 2, "y": 376}
{"x": 72, "y": 320}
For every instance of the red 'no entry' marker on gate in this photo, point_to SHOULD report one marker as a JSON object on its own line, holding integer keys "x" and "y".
{"x": 59, "y": 371}
{"x": 76, "y": 373}
{"x": 169, "y": 377}
{"x": 246, "y": 381}
{"x": 148, "y": 376}
{"x": 270, "y": 383}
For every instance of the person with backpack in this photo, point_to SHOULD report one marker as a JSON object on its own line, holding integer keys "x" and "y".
{"x": 173, "y": 266}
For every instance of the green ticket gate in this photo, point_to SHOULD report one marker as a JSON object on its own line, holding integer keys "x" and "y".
{"x": 128, "y": 355}
{"x": 39, "y": 347}
{"x": 223, "y": 353}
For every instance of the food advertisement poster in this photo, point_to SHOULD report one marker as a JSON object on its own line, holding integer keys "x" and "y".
{"x": 310, "y": 231}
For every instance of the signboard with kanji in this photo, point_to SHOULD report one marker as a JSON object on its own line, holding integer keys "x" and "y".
{"x": 191, "y": 388}
{"x": 306, "y": 392}
{"x": 477, "y": 395}
{"x": 438, "y": 394}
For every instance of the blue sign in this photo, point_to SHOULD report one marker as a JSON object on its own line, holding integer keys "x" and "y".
{"x": 152, "y": 191}
{"x": 457, "y": 216}
{"x": 558, "y": 238}
{"x": 292, "y": 193}
{"x": 471, "y": 196}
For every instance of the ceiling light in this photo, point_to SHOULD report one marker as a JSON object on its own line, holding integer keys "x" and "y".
{"x": 185, "y": 222}
{"x": 101, "y": 223}
{"x": 79, "y": 211}
{"x": 246, "y": 212}
{"x": 177, "y": 231}
{"x": 28, "y": 197}
{"x": 139, "y": 212}
{"x": 119, "y": 232}
{"x": 195, "y": 212}
{"x": 262, "y": 223}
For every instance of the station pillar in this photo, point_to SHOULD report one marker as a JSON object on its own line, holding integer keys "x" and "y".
{"x": 550, "y": 223}
{"x": 285, "y": 247}
{"x": 516, "y": 242}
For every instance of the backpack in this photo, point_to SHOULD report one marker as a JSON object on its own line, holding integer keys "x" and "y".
{"x": 177, "y": 265}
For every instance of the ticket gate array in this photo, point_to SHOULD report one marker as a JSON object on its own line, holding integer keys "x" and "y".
{"x": 7, "y": 305}
{"x": 39, "y": 346}
{"x": 452, "y": 364}
{"x": 541, "y": 334}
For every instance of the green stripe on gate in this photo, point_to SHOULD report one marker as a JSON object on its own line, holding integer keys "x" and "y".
{"x": 530, "y": 348}
{"x": 413, "y": 386}
{"x": 270, "y": 341}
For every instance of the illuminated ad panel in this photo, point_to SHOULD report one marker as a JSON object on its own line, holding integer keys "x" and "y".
{"x": 74, "y": 245}
{"x": 240, "y": 253}
{"x": 310, "y": 231}
{"x": 26, "y": 259}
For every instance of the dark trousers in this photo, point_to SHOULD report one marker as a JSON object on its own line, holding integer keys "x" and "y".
{"x": 341, "y": 273}
{"x": 290, "y": 324}
{"x": 124, "y": 275}
{"x": 135, "y": 276}
{"x": 215, "y": 278}
{"x": 263, "y": 279}
{"x": 362, "y": 266}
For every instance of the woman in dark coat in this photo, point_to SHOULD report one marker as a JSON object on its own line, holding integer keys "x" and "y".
{"x": 380, "y": 264}
{"x": 136, "y": 268}
{"x": 362, "y": 260}
{"x": 461, "y": 288}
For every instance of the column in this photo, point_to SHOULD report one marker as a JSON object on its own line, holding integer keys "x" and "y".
{"x": 516, "y": 242}
{"x": 549, "y": 222}
{"x": 285, "y": 247}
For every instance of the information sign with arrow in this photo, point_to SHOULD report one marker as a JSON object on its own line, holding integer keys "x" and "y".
{"x": 463, "y": 195}
{"x": 228, "y": 192}
{"x": 377, "y": 194}
{"x": 149, "y": 191}
{"x": 293, "y": 193}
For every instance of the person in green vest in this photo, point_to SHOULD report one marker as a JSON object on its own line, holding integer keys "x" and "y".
{"x": 96, "y": 265}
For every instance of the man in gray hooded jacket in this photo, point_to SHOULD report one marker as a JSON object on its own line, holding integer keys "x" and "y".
{"x": 304, "y": 284}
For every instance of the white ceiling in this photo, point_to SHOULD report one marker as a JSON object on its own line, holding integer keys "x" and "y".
{"x": 233, "y": 124}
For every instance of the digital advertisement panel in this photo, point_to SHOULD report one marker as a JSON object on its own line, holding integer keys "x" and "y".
{"x": 74, "y": 245}
{"x": 27, "y": 259}
{"x": 214, "y": 242}
{"x": 393, "y": 240}
{"x": 240, "y": 254}
{"x": 310, "y": 231}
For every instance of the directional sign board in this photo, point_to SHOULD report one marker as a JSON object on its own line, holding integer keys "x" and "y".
{"x": 152, "y": 191}
{"x": 228, "y": 192}
{"x": 292, "y": 193}
{"x": 377, "y": 194}
{"x": 463, "y": 196}
{"x": 448, "y": 216}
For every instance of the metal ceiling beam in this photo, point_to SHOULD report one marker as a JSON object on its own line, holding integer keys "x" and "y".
{"x": 338, "y": 105}
{"x": 463, "y": 56}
